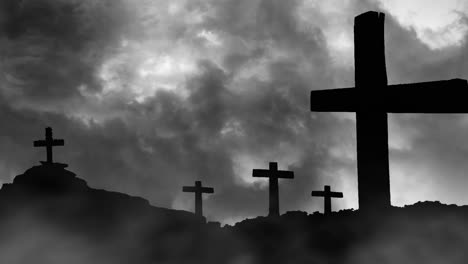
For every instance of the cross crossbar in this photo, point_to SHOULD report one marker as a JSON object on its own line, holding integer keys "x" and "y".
{"x": 425, "y": 97}
{"x": 272, "y": 172}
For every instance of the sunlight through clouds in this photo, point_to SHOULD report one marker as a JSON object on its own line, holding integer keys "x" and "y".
{"x": 331, "y": 17}
{"x": 438, "y": 24}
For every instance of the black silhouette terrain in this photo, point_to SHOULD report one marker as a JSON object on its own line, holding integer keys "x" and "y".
{"x": 48, "y": 215}
{"x": 48, "y": 207}
{"x": 427, "y": 232}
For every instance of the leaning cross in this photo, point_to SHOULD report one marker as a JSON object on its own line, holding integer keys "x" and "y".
{"x": 198, "y": 190}
{"x": 273, "y": 174}
{"x": 372, "y": 99}
{"x": 49, "y": 143}
{"x": 327, "y": 195}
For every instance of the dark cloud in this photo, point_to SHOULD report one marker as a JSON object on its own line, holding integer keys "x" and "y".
{"x": 51, "y": 48}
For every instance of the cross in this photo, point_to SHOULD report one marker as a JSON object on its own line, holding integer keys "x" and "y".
{"x": 327, "y": 195}
{"x": 49, "y": 143}
{"x": 372, "y": 99}
{"x": 198, "y": 190}
{"x": 273, "y": 174}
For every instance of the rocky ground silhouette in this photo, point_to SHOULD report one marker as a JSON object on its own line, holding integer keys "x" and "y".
{"x": 48, "y": 215}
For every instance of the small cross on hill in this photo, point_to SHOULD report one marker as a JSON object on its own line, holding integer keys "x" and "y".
{"x": 327, "y": 195}
{"x": 49, "y": 143}
{"x": 198, "y": 189}
{"x": 273, "y": 174}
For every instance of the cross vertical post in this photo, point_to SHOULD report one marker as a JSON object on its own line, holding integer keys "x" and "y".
{"x": 371, "y": 126}
{"x": 273, "y": 190}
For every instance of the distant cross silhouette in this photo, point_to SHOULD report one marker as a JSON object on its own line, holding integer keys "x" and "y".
{"x": 198, "y": 190}
{"x": 327, "y": 195}
{"x": 49, "y": 143}
{"x": 374, "y": 98}
{"x": 273, "y": 174}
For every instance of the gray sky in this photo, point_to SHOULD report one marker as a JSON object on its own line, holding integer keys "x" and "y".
{"x": 151, "y": 95}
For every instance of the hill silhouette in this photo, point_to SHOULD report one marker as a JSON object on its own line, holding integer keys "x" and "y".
{"x": 49, "y": 215}
{"x": 426, "y": 232}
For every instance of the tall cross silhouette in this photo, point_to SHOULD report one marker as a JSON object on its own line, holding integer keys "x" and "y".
{"x": 372, "y": 99}
{"x": 198, "y": 189}
{"x": 327, "y": 195}
{"x": 49, "y": 143}
{"x": 273, "y": 174}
